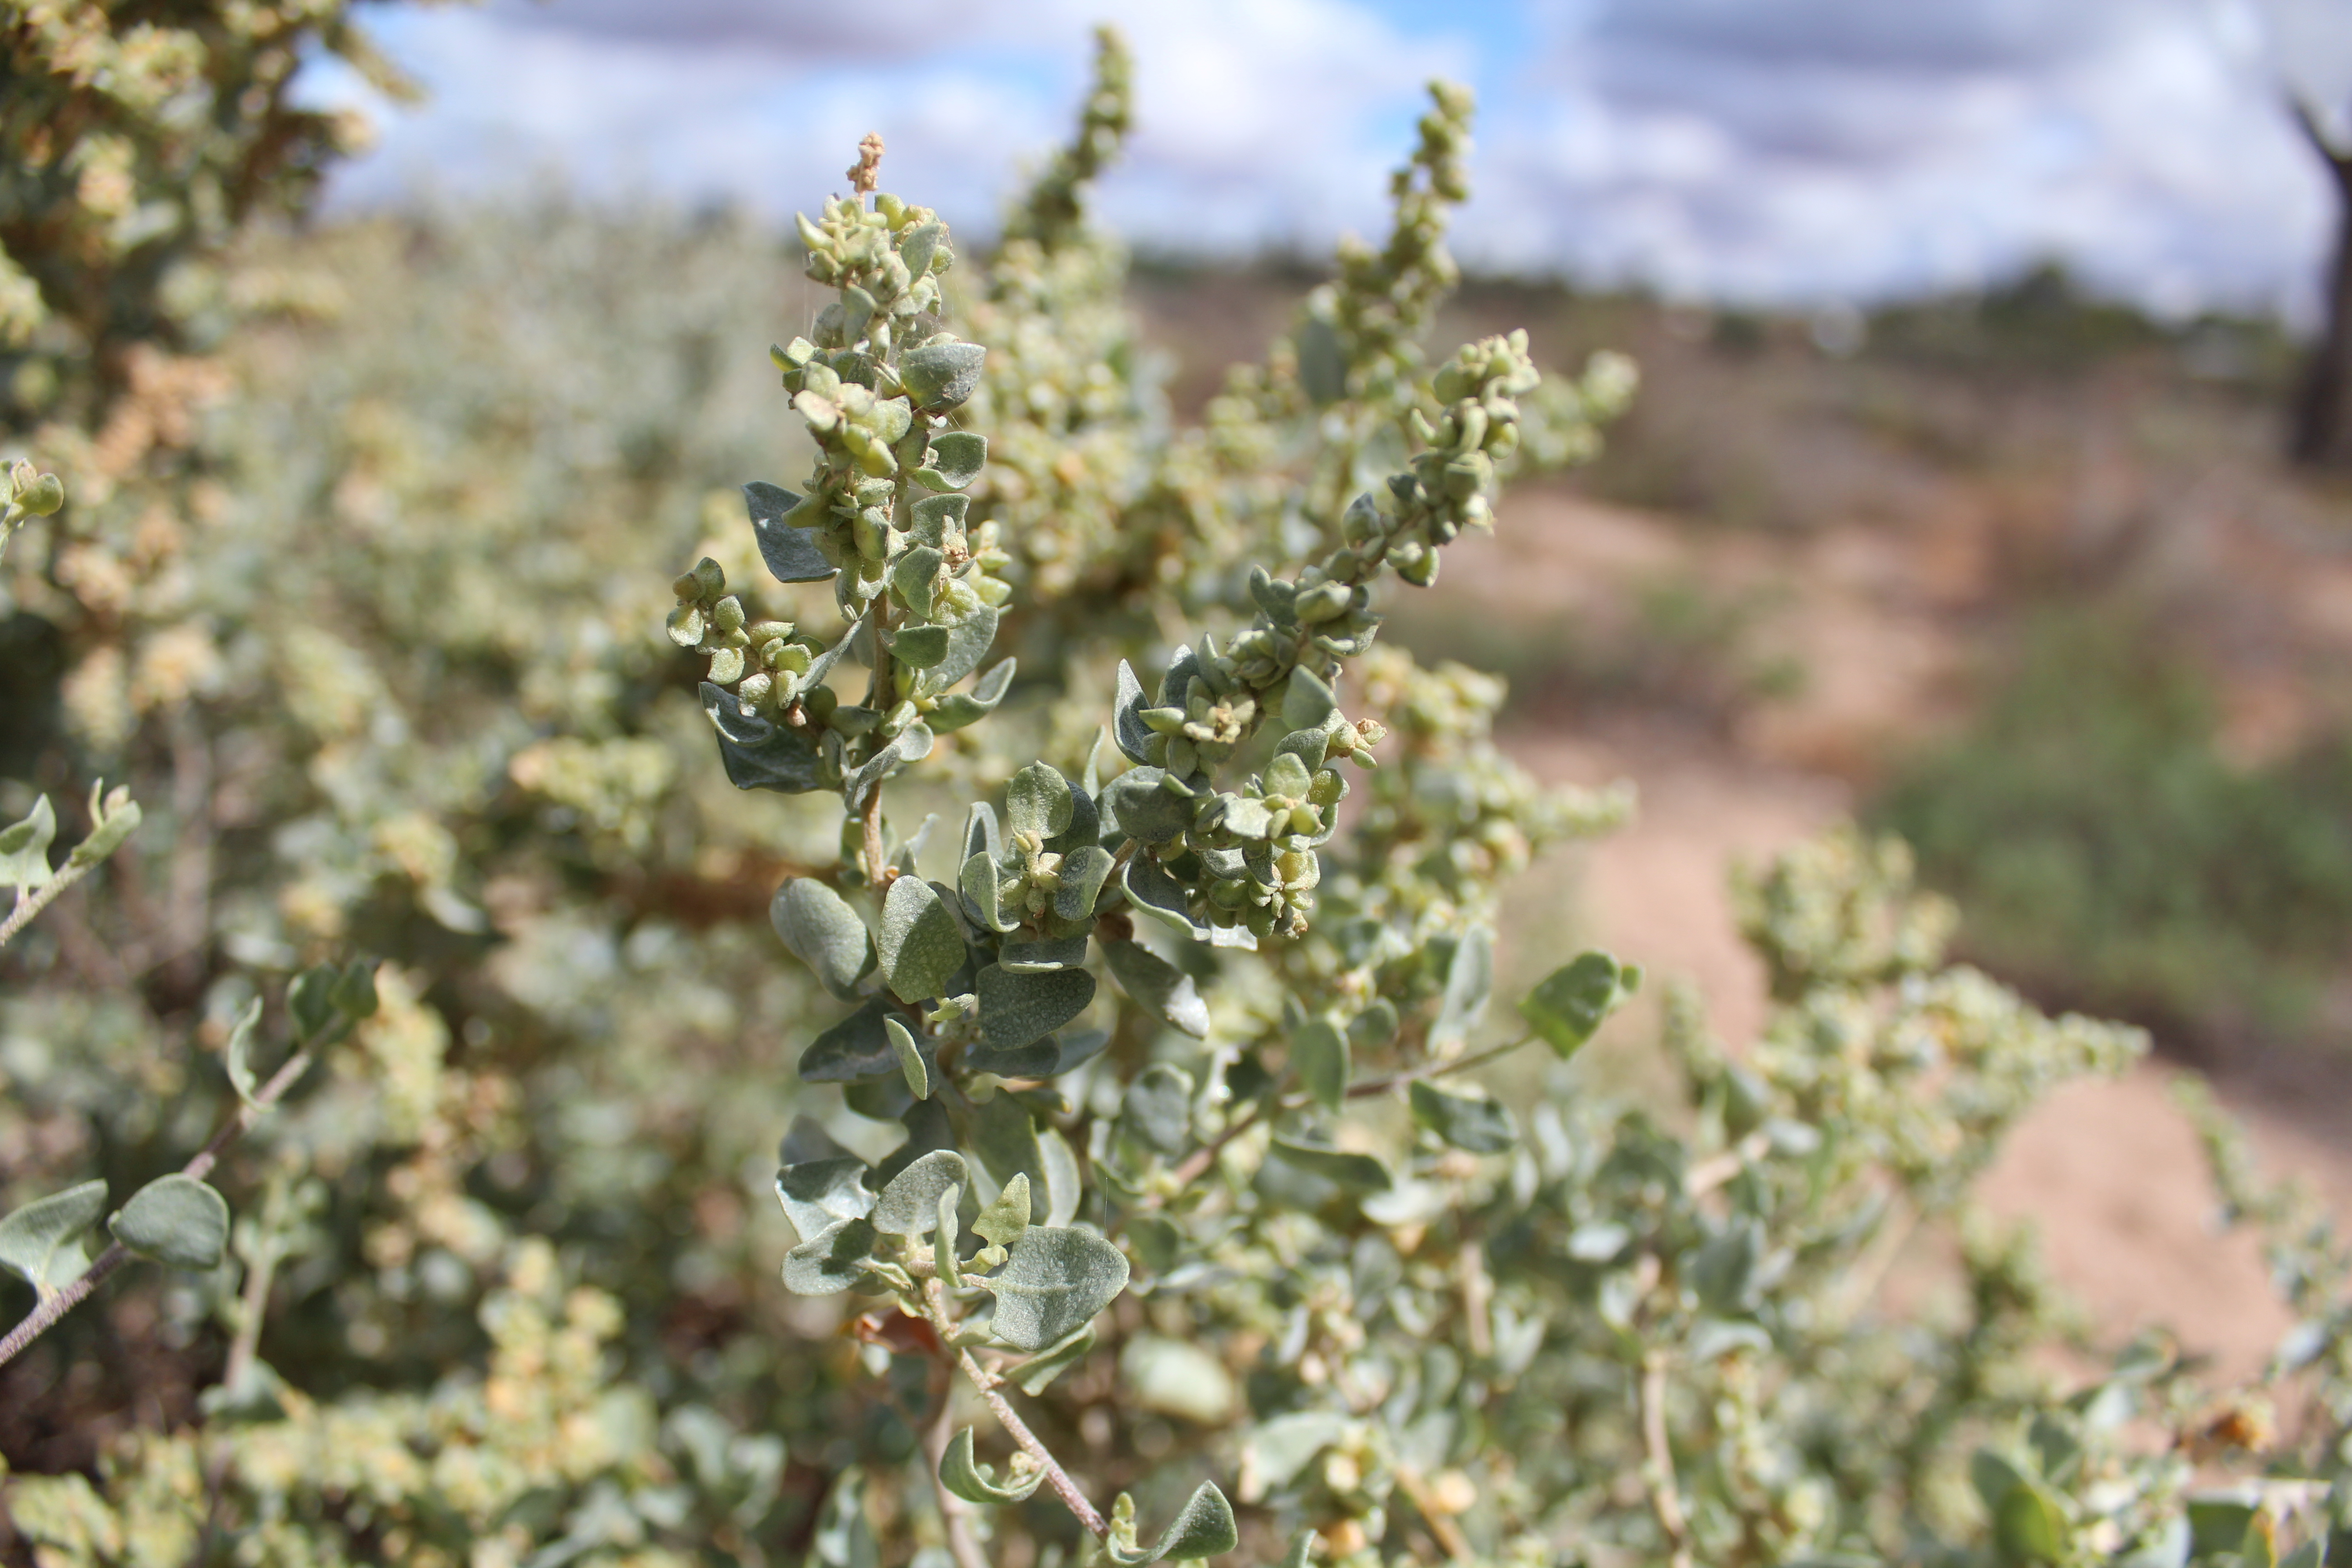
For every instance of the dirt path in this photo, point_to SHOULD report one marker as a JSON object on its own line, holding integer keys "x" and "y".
{"x": 2110, "y": 1173}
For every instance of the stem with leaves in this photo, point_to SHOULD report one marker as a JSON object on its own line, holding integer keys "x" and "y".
{"x": 991, "y": 1388}
{"x": 52, "y": 1308}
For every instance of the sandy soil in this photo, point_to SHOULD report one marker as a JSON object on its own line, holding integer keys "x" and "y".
{"x": 2110, "y": 1173}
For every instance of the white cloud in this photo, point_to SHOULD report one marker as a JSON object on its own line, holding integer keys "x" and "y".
{"x": 1813, "y": 148}
{"x": 1769, "y": 149}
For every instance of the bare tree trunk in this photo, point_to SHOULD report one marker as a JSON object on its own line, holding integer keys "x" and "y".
{"x": 2321, "y": 435}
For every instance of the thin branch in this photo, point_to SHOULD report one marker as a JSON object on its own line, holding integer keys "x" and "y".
{"x": 52, "y": 1308}
{"x": 990, "y": 1387}
{"x": 1658, "y": 1468}
{"x": 1433, "y": 1069}
{"x": 955, "y": 1514}
{"x": 1715, "y": 1171}
{"x": 1196, "y": 1165}
{"x": 1449, "y": 1536}
{"x": 41, "y": 898}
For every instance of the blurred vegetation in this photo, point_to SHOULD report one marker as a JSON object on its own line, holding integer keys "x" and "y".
{"x": 2108, "y": 855}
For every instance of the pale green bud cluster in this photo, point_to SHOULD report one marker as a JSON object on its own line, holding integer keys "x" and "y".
{"x": 766, "y": 662}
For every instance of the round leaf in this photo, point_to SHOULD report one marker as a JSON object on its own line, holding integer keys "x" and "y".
{"x": 1053, "y": 1283}
{"x": 176, "y": 1220}
{"x": 824, "y": 932}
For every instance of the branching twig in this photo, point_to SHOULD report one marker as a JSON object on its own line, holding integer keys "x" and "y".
{"x": 955, "y": 1514}
{"x": 990, "y": 1388}
{"x": 44, "y": 1316}
{"x": 1196, "y": 1165}
{"x": 39, "y": 898}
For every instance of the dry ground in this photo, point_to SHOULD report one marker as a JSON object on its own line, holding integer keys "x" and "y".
{"x": 2110, "y": 1173}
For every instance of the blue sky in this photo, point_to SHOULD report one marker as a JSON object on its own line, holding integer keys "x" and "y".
{"x": 1758, "y": 150}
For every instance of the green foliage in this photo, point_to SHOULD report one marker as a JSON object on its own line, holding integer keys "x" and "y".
{"x": 1138, "y": 1132}
{"x": 2105, "y": 851}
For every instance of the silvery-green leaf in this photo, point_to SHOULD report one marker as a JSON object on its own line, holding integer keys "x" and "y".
{"x": 958, "y": 709}
{"x": 911, "y": 1062}
{"x": 1038, "y": 1372}
{"x": 310, "y": 1001}
{"x": 857, "y": 1047}
{"x": 1002, "y": 1221}
{"x": 1038, "y": 1059}
{"x": 1306, "y": 704}
{"x": 175, "y": 1220}
{"x": 981, "y": 887}
{"x": 1322, "y": 362}
{"x": 934, "y": 518}
{"x": 1302, "y": 1550}
{"x": 941, "y": 375}
{"x": 1063, "y": 1191}
{"x": 1053, "y": 1283}
{"x": 1152, "y": 890}
{"x": 790, "y": 554}
{"x": 1277, "y": 598}
{"x": 1287, "y": 775}
{"x": 1247, "y": 819}
{"x": 1470, "y": 1122}
{"x": 981, "y": 836}
{"x": 820, "y": 928}
{"x": 914, "y": 575}
{"x": 958, "y": 455}
{"x": 239, "y": 1052}
{"x": 1160, "y": 985}
{"x": 1320, "y": 1051}
{"x": 1038, "y": 801}
{"x": 1083, "y": 872}
{"x": 920, "y": 245}
{"x": 1204, "y": 1529}
{"x": 919, "y": 647}
{"x": 909, "y": 1203}
{"x": 24, "y": 848}
{"x": 1352, "y": 1172}
{"x": 818, "y": 1194}
{"x": 1575, "y": 999}
{"x": 759, "y": 753}
{"x": 1084, "y": 831}
{"x": 919, "y": 947}
{"x": 1129, "y": 731}
{"x": 830, "y": 1261}
{"x": 977, "y": 1483}
{"x": 968, "y": 643}
{"x": 1016, "y": 1009}
{"x": 39, "y": 1240}
{"x": 1004, "y": 1135}
{"x": 1044, "y": 955}
{"x": 943, "y": 1239}
{"x": 1140, "y": 808}
{"x": 1158, "y": 1110}
{"x": 1469, "y": 981}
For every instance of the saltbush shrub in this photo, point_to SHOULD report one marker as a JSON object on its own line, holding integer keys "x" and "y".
{"x": 1159, "y": 1177}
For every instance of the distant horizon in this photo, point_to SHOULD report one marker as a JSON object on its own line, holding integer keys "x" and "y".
{"x": 1821, "y": 153}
